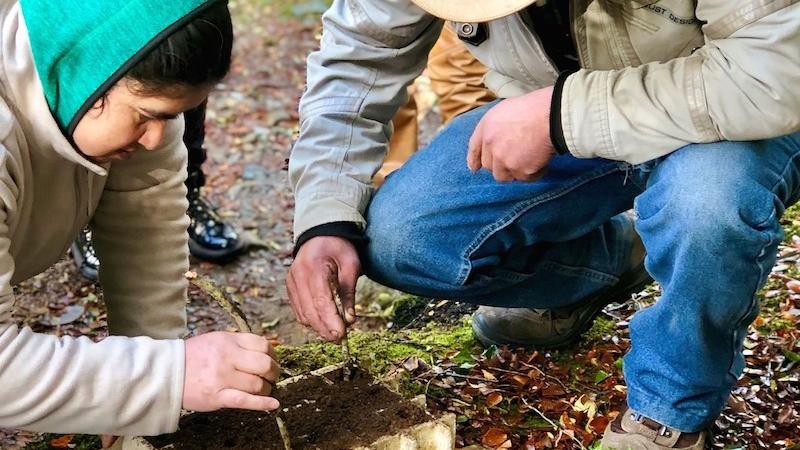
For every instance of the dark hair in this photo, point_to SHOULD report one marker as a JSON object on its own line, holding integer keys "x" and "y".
{"x": 196, "y": 54}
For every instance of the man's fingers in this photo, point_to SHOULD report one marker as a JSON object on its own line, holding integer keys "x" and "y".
{"x": 294, "y": 296}
{"x": 475, "y": 149}
{"x": 259, "y": 364}
{"x": 249, "y": 383}
{"x": 501, "y": 173}
{"x": 487, "y": 160}
{"x": 232, "y": 398}
{"x": 533, "y": 176}
{"x": 330, "y": 325}
{"x": 348, "y": 278}
{"x": 308, "y": 303}
{"x": 256, "y": 343}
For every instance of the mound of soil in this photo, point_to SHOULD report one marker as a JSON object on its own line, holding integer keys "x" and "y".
{"x": 318, "y": 415}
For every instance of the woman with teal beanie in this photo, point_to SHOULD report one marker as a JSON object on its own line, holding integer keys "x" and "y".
{"x": 91, "y": 93}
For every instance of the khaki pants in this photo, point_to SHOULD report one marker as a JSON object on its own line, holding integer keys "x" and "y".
{"x": 456, "y": 78}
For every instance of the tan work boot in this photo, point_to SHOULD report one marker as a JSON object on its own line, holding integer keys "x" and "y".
{"x": 552, "y": 328}
{"x": 555, "y": 328}
{"x": 631, "y": 431}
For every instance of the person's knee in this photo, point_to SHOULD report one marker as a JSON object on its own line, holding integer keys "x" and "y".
{"x": 404, "y": 249}
{"x": 702, "y": 213}
{"x": 710, "y": 193}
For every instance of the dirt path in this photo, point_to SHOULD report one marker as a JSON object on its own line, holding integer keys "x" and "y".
{"x": 251, "y": 121}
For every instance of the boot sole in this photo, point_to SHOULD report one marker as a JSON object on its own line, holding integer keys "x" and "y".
{"x": 216, "y": 256}
{"x": 585, "y": 320}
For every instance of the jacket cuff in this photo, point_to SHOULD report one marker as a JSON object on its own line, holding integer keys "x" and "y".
{"x": 556, "y": 130}
{"x": 347, "y": 230}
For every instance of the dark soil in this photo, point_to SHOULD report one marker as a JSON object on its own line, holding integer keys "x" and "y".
{"x": 318, "y": 415}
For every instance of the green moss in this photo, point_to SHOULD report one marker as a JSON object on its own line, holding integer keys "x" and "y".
{"x": 304, "y": 358}
{"x": 602, "y": 326}
{"x": 791, "y": 221}
{"x": 405, "y": 309}
{"x": 379, "y": 350}
{"x": 776, "y": 324}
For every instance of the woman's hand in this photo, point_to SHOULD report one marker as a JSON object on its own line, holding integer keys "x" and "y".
{"x": 229, "y": 370}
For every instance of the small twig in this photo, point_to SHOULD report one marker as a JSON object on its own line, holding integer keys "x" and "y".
{"x": 541, "y": 372}
{"x": 553, "y": 424}
{"x": 287, "y": 441}
{"x": 232, "y": 308}
{"x": 218, "y": 295}
{"x": 346, "y": 361}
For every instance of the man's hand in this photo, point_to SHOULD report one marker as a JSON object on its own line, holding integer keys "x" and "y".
{"x": 229, "y": 370}
{"x": 321, "y": 262}
{"x": 512, "y": 141}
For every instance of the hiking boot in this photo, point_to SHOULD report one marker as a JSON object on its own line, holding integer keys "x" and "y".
{"x": 552, "y": 328}
{"x": 84, "y": 255}
{"x": 210, "y": 238}
{"x": 556, "y": 328}
{"x": 631, "y": 431}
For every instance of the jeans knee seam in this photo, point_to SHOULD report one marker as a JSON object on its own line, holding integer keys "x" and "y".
{"x": 751, "y": 305}
{"x": 517, "y": 211}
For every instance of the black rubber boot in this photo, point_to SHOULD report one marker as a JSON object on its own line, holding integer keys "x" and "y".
{"x": 210, "y": 238}
{"x": 84, "y": 256}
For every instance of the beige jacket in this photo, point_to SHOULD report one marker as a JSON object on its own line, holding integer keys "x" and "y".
{"x": 48, "y": 193}
{"x": 658, "y": 75}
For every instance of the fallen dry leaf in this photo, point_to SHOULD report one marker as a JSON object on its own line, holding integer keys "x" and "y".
{"x": 598, "y": 424}
{"x": 493, "y": 399}
{"x": 793, "y": 286}
{"x": 586, "y": 405}
{"x": 62, "y": 442}
{"x": 494, "y": 437}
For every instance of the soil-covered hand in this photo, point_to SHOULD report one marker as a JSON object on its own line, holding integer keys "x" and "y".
{"x": 321, "y": 263}
{"x": 229, "y": 370}
{"x": 512, "y": 140}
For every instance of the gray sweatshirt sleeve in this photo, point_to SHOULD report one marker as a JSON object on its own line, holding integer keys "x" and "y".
{"x": 122, "y": 386}
{"x": 370, "y": 51}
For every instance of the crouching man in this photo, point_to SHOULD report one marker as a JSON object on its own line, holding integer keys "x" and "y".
{"x": 687, "y": 111}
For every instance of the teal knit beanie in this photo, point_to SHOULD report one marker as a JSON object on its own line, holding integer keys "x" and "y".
{"x": 82, "y": 47}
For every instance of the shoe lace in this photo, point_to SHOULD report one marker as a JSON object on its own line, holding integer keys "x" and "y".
{"x": 85, "y": 243}
{"x": 202, "y": 211}
{"x": 662, "y": 430}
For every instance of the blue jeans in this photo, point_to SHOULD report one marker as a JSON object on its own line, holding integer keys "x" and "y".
{"x": 707, "y": 214}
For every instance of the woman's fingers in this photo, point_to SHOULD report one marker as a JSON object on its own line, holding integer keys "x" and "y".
{"x": 233, "y": 398}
